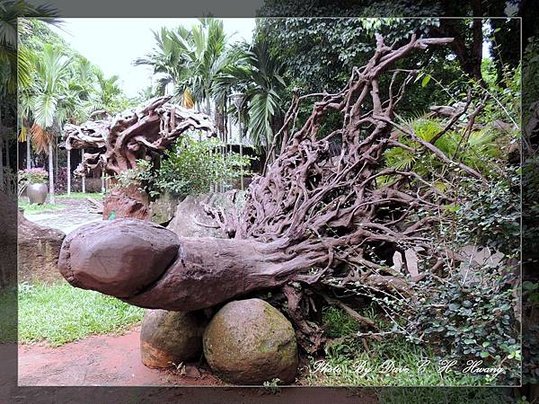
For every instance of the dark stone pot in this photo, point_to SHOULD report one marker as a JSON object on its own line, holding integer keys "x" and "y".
{"x": 37, "y": 193}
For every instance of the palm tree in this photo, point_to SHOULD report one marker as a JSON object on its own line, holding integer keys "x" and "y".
{"x": 190, "y": 59}
{"x": 46, "y": 93}
{"x": 10, "y": 11}
{"x": 257, "y": 75}
{"x": 107, "y": 92}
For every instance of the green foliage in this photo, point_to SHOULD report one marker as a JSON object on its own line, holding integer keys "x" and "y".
{"x": 189, "y": 58}
{"x": 256, "y": 74}
{"x": 10, "y": 12}
{"x": 448, "y": 395}
{"x": 481, "y": 150}
{"x": 59, "y": 84}
{"x": 321, "y": 52}
{"x": 192, "y": 167}
{"x": 60, "y": 313}
{"x": 530, "y": 343}
{"x": 391, "y": 361}
{"x": 472, "y": 318}
{"x": 490, "y": 215}
{"x": 141, "y": 176}
{"x": 530, "y": 205}
{"x": 530, "y": 71}
{"x": 8, "y": 316}
{"x": 340, "y": 8}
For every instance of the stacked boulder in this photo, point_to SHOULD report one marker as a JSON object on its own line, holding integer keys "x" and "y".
{"x": 247, "y": 342}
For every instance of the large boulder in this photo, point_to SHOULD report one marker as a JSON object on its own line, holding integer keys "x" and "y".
{"x": 163, "y": 209}
{"x": 118, "y": 257}
{"x": 250, "y": 342}
{"x": 169, "y": 338}
{"x": 39, "y": 249}
{"x": 191, "y": 219}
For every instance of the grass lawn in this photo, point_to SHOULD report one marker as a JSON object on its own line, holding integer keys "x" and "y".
{"x": 34, "y": 208}
{"x": 79, "y": 195}
{"x": 60, "y": 313}
{"x": 435, "y": 395}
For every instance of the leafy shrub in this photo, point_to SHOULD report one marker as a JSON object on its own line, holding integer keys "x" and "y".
{"x": 530, "y": 208}
{"x": 141, "y": 176}
{"x": 472, "y": 318}
{"x": 192, "y": 167}
{"x": 491, "y": 215}
{"x": 530, "y": 344}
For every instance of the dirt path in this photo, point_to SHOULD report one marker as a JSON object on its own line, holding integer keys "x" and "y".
{"x": 74, "y": 213}
{"x": 104, "y": 360}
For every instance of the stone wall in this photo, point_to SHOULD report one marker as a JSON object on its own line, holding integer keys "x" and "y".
{"x": 39, "y": 249}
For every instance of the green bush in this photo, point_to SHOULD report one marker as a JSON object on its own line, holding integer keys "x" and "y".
{"x": 472, "y": 317}
{"x": 490, "y": 215}
{"x": 191, "y": 167}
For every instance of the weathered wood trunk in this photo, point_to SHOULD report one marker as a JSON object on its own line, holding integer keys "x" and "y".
{"x": 211, "y": 271}
{"x": 127, "y": 202}
{"x": 120, "y": 258}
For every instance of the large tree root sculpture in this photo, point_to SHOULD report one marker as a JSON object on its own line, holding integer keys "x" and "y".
{"x": 326, "y": 218}
{"x": 140, "y": 133}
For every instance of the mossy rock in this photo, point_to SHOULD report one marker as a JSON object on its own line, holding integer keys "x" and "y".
{"x": 168, "y": 338}
{"x": 250, "y": 342}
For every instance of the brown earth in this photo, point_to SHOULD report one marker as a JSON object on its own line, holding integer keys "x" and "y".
{"x": 103, "y": 360}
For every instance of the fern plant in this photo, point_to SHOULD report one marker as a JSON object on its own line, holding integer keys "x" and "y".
{"x": 479, "y": 149}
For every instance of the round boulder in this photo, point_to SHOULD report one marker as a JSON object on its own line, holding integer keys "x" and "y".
{"x": 171, "y": 337}
{"x": 250, "y": 342}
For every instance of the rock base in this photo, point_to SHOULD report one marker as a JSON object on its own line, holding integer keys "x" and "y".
{"x": 250, "y": 342}
{"x": 168, "y": 338}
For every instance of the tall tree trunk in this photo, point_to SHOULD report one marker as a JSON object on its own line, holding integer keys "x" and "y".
{"x": 469, "y": 53}
{"x": 84, "y": 176}
{"x": 51, "y": 173}
{"x": 208, "y": 106}
{"x": 56, "y": 170}
{"x": 68, "y": 172}
{"x": 241, "y": 148}
{"x": 103, "y": 181}
{"x": 28, "y": 152}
